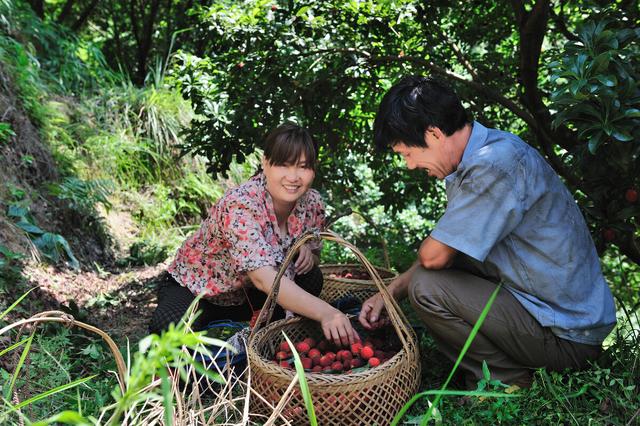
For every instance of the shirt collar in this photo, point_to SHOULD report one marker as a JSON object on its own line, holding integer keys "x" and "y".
{"x": 476, "y": 141}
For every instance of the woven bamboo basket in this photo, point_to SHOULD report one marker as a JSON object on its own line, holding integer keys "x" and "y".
{"x": 368, "y": 397}
{"x": 334, "y": 288}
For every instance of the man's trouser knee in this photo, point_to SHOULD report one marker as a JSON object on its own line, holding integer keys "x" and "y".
{"x": 510, "y": 340}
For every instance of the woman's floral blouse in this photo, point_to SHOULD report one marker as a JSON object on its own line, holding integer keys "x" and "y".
{"x": 240, "y": 236}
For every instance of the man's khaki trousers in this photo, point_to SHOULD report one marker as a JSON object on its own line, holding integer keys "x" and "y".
{"x": 510, "y": 340}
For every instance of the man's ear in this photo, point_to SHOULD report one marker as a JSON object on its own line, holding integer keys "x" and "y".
{"x": 433, "y": 132}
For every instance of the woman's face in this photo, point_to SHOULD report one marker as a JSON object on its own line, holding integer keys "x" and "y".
{"x": 288, "y": 182}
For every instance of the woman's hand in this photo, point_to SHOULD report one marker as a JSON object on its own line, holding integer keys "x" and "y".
{"x": 306, "y": 260}
{"x": 371, "y": 314}
{"x": 337, "y": 328}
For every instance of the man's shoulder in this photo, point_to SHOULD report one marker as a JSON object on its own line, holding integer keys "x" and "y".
{"x": 501, "y": 149}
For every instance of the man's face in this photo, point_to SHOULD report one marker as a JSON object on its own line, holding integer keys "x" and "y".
{"x": 436, "y": 158}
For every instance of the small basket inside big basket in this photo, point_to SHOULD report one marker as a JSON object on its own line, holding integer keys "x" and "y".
{"x": 362, "y": 396}
{"x": 351, "y": 280}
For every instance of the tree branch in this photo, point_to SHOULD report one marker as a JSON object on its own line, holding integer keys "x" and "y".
{"x": 561, "y": 24}
{"x": 68, "y": 6}
{"x": 38, "y": 7}
{"x": 82, "y": 19}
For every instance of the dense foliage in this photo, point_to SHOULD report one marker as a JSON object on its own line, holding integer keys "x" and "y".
{"x": 326, "y": 64}
{"x": 114, "y": 87}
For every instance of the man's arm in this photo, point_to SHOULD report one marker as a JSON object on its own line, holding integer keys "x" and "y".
{"x": 432, "y": 255}
{"x": 435, "y": 255}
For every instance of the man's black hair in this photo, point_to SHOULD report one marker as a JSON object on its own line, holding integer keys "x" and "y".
{"x": 412, "y": 106}
{"x": 286, "y": 144}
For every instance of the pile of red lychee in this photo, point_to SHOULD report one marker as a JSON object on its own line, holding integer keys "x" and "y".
{"x": 325, "y": 357}
{"x": 353, "y": 274}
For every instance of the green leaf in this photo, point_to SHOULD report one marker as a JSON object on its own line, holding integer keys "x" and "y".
{"x": 463, "y": 351}
{"x": 601, "y": 62}
{"x": 622, "y": 136}
{"x": 485, "y": 371}
{"x": 23, "y": 356}
{"x": 607, "y": 80}
{"x": 165, "y": 386}
{"x": 50, "y": 392}
{"x": 29, "y": 227}
{"x": 14, "y": 304}
{"x": 12, "y": 347}
{"x": 595, "y": 141}
{"x": 632, "y": 113}
{"x": 304, "y": 386}
{"x": 15, "y": 210}
{"x": 65, "y": 417}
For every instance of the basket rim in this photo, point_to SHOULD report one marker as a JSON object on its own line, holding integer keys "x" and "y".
{"x": 338, "y": 379}
{"x": 393, "y": 274}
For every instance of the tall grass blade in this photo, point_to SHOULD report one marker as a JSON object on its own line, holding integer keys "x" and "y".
{"x": 23, "y": 357}
{"x": 49, "y": 393}
{"x": 12, "y": 347}
{"x": 304, "y": 386}
{"x": 165, "y": 385}
{"x": 16, "y": 303}
{"x": 465, "y": 347}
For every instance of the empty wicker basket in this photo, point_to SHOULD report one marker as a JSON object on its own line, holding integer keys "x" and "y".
{"x": 369, "y": 397}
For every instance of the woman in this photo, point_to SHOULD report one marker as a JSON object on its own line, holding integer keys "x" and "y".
{"x": 235, "y": 255}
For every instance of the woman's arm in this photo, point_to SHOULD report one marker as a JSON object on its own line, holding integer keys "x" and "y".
{"x": 335, "y": 324}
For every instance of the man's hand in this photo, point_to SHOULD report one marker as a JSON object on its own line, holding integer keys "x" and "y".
{"x": 306, "y": 260}
{"x": 371, "y": 315}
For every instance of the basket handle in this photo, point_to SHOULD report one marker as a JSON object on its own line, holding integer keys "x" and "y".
{"x": 370, "y": 222}
{"x": 396, "y": 316}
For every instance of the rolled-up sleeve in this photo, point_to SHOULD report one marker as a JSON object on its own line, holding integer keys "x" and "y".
{"x": 485, "y": 207}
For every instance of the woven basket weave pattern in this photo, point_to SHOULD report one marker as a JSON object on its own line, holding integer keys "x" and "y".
{"x": 334, "y": 288}
{"x": 368, "y": 397}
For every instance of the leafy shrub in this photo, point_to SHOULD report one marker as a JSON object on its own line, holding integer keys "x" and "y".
{"x": 5, "y": 132}
{"x": 83, "y": 195}
{"x": 53, "y": 247}
{"x": 598, "y": 95}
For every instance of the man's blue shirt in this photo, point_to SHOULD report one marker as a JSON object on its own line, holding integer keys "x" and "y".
{"x": 508, "y": 210}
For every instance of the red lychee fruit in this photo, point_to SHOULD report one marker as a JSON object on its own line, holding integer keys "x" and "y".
{"x": 284, "y": 347}
{"x": 355, "y": 348}
{"x": 366, "y": 352}
{"x": 337, "y": 366}
{"x": 356, "y": 362}
{"x": 631, "y": 195}
{"x": 307, "y": 363}
{"x": 374, "y": 362}
{"x": 310, "y": 341}
{"x": 282, "y": 355}
{"x": 325, "y": 361}
{"x": 302, "y": 347}
{"x": 284, "y": 364}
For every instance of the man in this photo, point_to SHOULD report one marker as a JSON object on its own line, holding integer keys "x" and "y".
{"x": 508, "y": 219}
